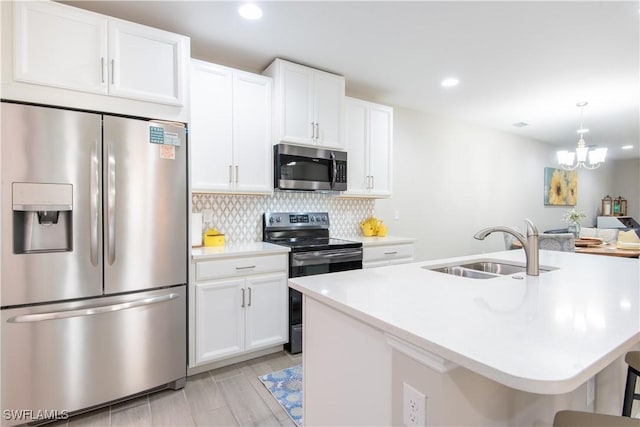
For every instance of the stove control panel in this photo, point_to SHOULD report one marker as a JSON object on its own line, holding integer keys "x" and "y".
{"x": 297, "y": 219}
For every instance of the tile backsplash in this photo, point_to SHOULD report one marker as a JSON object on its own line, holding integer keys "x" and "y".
{"x": 240, "y": 217}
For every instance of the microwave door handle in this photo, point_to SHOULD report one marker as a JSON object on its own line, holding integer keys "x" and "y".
{"x": 334, "y": 171}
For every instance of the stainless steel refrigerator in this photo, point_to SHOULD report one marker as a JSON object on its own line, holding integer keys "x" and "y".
{"x": 94, "y": 259}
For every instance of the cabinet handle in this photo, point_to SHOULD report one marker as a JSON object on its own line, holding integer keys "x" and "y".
{"x": 113, "y": 72}
{"x": 317, "y": 130}
{"x": 313, "y": 130}
{"x": 246, "y": 268}
{"x": 373, "y": 183}
{"x": 230, "y": 174}
{"x": 242, "y": 306}
{"x": 391, "y": 253}
{"x": 237, "y": 173}
{"x": 249, "y": 305}
{"x": 102, "y": 69}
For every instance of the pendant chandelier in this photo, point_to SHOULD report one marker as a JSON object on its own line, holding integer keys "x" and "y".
{"x": 570, "y": 160}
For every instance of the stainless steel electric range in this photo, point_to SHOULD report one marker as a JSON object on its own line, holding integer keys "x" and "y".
{"x": 313, "y": 251}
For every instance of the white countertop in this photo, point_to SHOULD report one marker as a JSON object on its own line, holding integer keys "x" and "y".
{"x": 236, "y": 249}
{"x": 379, "y": 241}
{"x": 546, "y": 334}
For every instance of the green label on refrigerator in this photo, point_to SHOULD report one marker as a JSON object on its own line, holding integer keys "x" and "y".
{"x": 156, "y": 135}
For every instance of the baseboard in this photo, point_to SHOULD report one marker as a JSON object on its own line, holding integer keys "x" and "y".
{"x": 232, "y": 360}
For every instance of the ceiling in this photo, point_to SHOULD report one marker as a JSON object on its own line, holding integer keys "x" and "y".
{"x": 516, "y": 61}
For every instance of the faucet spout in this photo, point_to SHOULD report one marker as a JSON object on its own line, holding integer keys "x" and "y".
{"x": 529, "y": 243}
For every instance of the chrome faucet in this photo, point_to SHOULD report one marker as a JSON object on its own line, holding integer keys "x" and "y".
{"x": 529, "y": 243}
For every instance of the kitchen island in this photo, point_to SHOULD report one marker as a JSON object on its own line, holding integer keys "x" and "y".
{"x": 510, "y": 350}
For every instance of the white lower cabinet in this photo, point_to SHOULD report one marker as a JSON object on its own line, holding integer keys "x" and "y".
{"x": 266, "y": 311}
{"x": 236, "y": 315}
{"x": 377, "y": 256}
{"x": 219, "y": 319}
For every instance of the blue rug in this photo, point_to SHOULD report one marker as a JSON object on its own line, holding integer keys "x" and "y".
{"x": 286, "y": 387}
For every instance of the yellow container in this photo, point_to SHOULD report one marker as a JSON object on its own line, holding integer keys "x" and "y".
{"x": 367, "y": 229}
{"x": 213, "y": 238}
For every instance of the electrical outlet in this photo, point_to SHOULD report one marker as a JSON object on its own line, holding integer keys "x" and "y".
{"x": 207, "y": 215}
{"x": 414, "y": 406}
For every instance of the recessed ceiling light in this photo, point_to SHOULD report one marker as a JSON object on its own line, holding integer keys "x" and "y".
{"x": 250, "y": 11}
{"x": 627, "y": 147}
{"x": 450, "y": 82}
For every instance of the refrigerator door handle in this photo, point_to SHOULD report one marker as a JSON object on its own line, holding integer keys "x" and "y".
{"x": 94, "y": 198}
{"x": 40, "y": 317}
{"x": 111, "y": 204}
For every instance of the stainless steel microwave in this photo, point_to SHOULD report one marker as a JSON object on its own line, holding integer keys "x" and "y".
{"x": 309, "y": 168}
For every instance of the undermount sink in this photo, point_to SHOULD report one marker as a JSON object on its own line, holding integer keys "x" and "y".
{"x": 458, "y": 270}
{"x": 482, "y": 269}
{"x": 495, "y": 267}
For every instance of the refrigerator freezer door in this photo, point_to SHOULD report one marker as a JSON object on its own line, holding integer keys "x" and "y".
{"x": 44, "y": 149}
{"x": 66, "y": 357}
{"x": 145, "y": 200}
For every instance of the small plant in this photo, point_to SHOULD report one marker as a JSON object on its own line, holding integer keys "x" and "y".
{"x": 574, "y": 216}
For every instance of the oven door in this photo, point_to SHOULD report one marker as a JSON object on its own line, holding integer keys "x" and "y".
{"x": 326, "y": 261}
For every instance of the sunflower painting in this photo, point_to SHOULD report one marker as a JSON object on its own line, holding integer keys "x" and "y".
{"x": 560, "y": 187}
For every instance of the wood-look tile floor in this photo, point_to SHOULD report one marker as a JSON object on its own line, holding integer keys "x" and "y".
{"x": 229, "y": 396}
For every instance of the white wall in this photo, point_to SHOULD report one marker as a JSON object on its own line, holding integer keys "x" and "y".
{"x": 627, "y": 181}
{"x": 452, "y": 179}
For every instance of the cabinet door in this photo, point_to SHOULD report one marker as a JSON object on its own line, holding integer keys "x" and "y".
{"x": 381, "y": 149}
{"x": 387, "y": 254}
{"x": 210, "y": 130}
{"x": 60, "y": 46}
{"x": 147, "y": 63}
{"x": 267, "y": 311}
{"x": 296, "y": 97}
{"x": 356, "y": 135}
{"x": 252, "y": 147}
{"x": 219, "y": 319}
{"x": 328, "y": 102}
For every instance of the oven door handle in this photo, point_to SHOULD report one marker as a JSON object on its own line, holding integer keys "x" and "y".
{"x": 325, "y": 257}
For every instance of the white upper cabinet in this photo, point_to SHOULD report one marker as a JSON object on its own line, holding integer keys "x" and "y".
{"x": 65, "y": 47}
{"x": 210, "y": 132}
{"x": 308, "y": 105}
{"x": 230, "y": 130}
{"x": 294, "y": 118}
{"x": 369, "y": 136}
{"x": 60, "y": 46}
{"x": 146, "y": 63}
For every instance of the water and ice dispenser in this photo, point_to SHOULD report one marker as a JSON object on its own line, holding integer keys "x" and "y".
{"x": 42, "y": 217}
